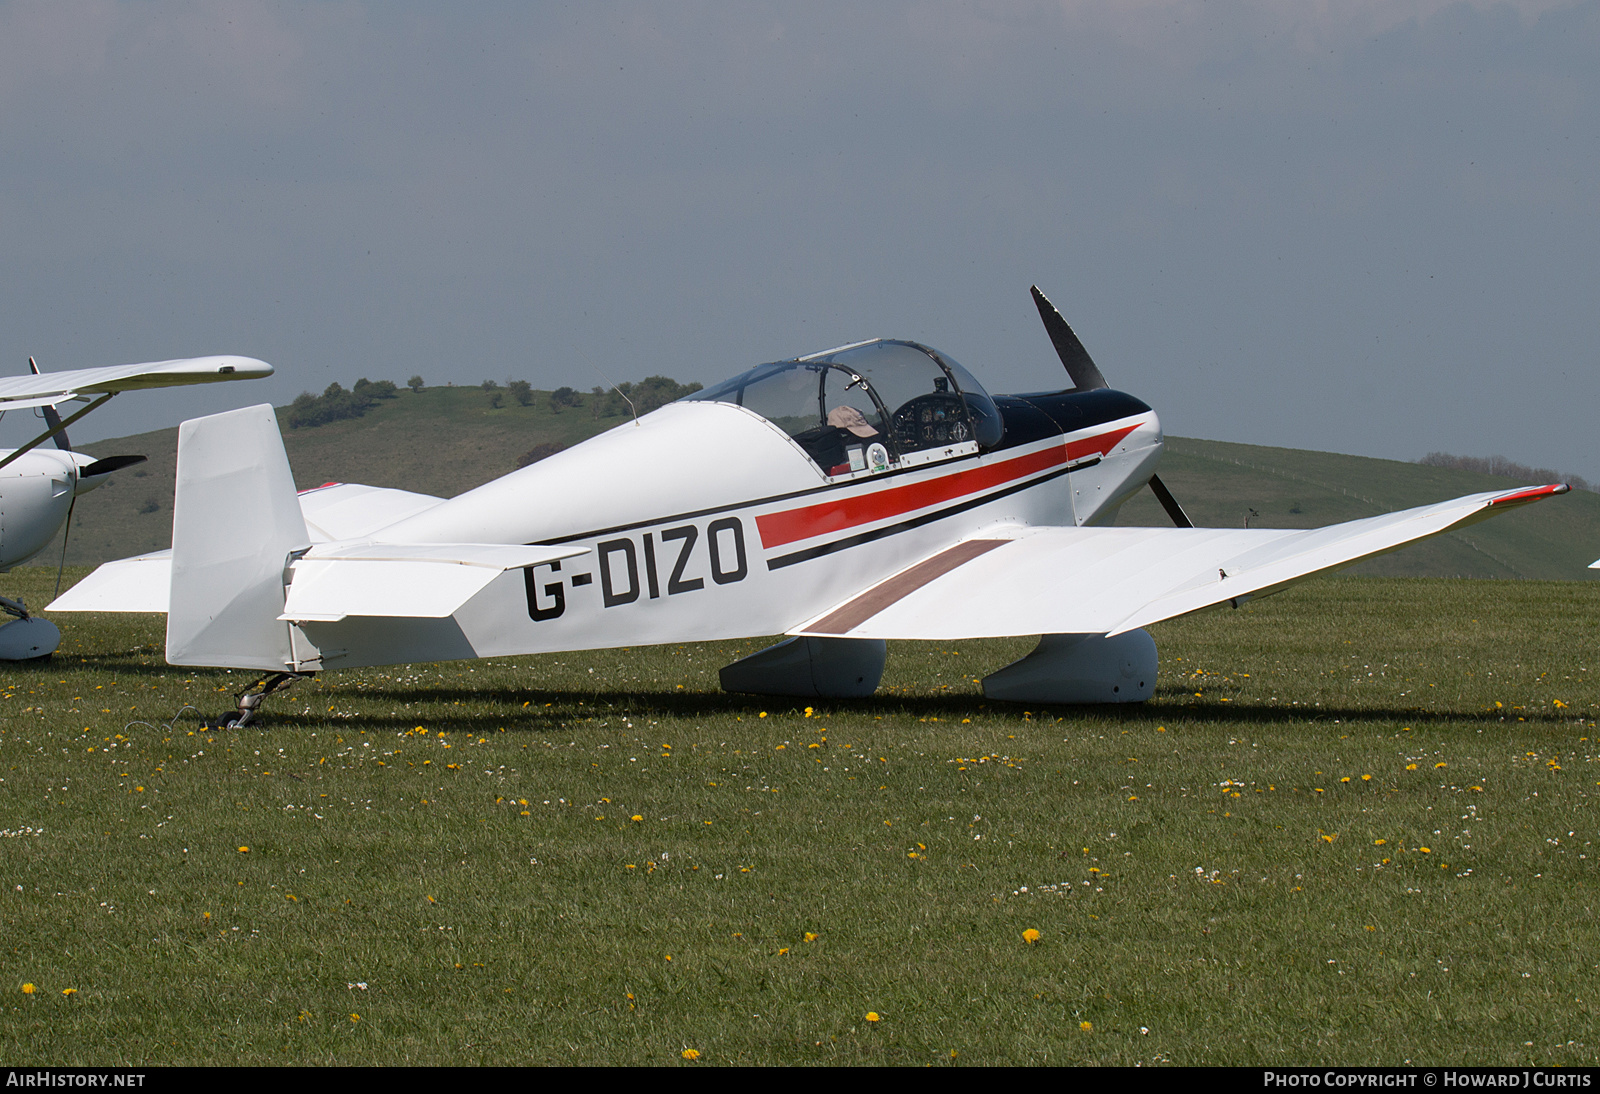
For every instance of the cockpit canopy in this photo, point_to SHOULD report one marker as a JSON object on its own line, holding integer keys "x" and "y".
{"x": 868, "y": 407}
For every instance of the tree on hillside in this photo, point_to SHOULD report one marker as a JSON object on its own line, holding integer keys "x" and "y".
{"x": 336, "y": 404}
{"x": 521, "y": 391}
{"x": 563, "y": 397}
{"x": 1499, "y": 465}
{"x": 415, "y": 383}
{"x": 651, "y": 393}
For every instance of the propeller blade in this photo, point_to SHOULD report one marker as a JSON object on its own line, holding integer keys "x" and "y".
{"x": 1169, "y": 503}
{"x": 110, "y": 464}
{"x": 1086, "y": 376}
{"x": 1080, "y": 366}
{"x": 51, "y": 418}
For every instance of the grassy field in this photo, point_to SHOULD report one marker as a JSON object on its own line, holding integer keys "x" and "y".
{"x": 1357, "y": 824}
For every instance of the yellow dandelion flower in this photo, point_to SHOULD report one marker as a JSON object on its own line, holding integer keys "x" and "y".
{"x": 1366, "y": 778}
{"x": 69, "y": 991}
{"x": 244, "y": 850}
{"x": 636, "y": 818}
{"x": 811, "y": 936}
{"x": 872, "y": 1016}
{"x": 28, "y": 989}
{"x": 1426, "y": 850}
{"x": 1087, "y": 1027}
{"x": 1411, "y": 767}
{"x": 355, "y": 1018}
{"x": 1440, "y": 764}
{"x": 1030, "y": 936}
{"x": 691, "y": 1054}
{"x": 783, "y": 951}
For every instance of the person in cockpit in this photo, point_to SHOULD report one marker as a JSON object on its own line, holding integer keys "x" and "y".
{"x": 840, "y": 446}
{"x": 847, "y": 417}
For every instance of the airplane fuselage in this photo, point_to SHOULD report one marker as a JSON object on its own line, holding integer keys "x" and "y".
{"x": 748, "y": 535}
{"x": 36, "y": 492}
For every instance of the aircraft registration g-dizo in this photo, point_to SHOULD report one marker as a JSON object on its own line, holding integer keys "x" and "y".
{"x": 870, "y": 492}
{"x": 39, "y": 488}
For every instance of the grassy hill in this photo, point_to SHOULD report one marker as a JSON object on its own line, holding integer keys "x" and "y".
{"x": 444, "y": 440}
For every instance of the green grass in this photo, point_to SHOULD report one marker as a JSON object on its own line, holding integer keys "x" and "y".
{"x": 1207, "y": 886}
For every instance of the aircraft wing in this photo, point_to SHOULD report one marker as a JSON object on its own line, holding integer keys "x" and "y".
{"x": 53, "y": 388}
{"x": 1112, "y": 580}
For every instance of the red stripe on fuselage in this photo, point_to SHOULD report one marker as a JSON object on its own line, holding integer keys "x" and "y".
{"x": 836, "y": 515}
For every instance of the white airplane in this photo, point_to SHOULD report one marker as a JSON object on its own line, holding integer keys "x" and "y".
{"x": 868, "y": 492}
{"x": 39, "y": 487}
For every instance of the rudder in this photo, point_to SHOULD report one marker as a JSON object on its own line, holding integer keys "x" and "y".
{"x": 236, "y": 520}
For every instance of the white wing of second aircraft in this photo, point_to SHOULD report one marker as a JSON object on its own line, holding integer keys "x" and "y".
{"x": 1112, "y": 580}
{"x": 53, "y": 388}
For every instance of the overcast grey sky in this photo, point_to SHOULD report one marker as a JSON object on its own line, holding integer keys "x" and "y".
{"x": 1356, "y": 226}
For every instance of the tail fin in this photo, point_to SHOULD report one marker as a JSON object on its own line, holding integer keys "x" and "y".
{"x": 235, "y": 522}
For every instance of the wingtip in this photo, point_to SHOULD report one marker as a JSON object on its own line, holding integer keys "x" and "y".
{"x": 1532, "y": 493}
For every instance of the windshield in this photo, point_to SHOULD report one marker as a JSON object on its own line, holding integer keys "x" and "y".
{"x": 868, "y": 406}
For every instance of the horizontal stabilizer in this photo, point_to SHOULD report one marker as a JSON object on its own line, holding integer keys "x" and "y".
{"x": 404, "y": 580}
{"x": 1112, "y": 580}
{"x": 138, "y": 584}
{"x": 332, "y": 512}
